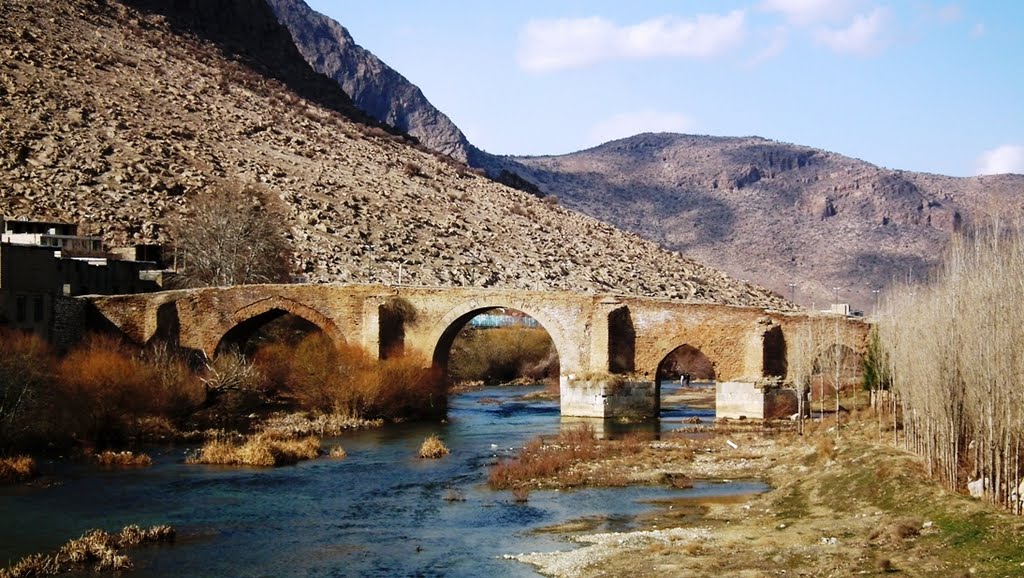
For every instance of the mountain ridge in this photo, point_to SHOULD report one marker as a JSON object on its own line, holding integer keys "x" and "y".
{"x": 882, "y": 223}
{"x": 372, "y": 85}
{"x": 745, "y": 190}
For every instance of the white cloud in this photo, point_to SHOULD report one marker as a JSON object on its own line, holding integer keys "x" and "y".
{"x": 632, "y": 123}
{"x": 804, "y": 12}
{"x": 1007, "y": 158}
{"x": 864, "y": 36}
{"x": 547, "y": 45}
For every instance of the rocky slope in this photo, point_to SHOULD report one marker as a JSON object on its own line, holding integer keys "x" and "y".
{"x": 117, "y": 115}
{"x": 776, "y": 213}
{"x": 374, "y": 86}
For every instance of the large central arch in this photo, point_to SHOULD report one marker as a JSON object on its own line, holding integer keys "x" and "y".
{"x": 443, "y": 333}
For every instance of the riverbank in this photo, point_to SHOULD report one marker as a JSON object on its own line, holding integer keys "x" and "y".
{"x": 853, "y": 506}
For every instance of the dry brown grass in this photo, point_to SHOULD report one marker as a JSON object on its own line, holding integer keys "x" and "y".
{"x": 337, "y": 452}
{"x": 319, "y": 424}
{"x": 123, "y": 459}
{"x": 262, "y": 450}
{"x": 556, "y": 460}
{"x": 433, "y": 448}
{"x": 17, "y": 469}
{"x": 96, "y": 550}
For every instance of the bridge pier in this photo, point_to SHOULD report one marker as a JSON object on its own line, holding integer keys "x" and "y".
{"x": 753, "y": 400}
{"x": 608, "y": 396}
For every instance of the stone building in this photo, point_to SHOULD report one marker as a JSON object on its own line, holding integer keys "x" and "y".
{"x": 43, "y": 263}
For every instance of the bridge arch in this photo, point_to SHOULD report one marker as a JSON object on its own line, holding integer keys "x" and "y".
{"x": 250, "y": 318}
{"x": 837, "y": 359}
{"x": 689, "y": 359}
{"x": 443, "y": 333}
{"x": 693, "y": 338}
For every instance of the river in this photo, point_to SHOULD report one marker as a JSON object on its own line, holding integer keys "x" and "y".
{"x": 382, "y": 511}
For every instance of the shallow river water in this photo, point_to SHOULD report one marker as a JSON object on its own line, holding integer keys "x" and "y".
{"x": 381, "y": 511}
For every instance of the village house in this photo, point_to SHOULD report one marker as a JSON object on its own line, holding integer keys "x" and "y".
{"x": 43, "y": 262}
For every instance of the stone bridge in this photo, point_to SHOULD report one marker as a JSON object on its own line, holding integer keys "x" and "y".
{"x": 609, "y": 347}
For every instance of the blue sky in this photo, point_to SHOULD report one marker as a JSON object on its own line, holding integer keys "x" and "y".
{"x": 916, "y": 85}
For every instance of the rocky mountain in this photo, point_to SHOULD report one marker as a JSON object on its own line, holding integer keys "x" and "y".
{"x": 118, "y": 115}
{"x": 776, "y": 213}
{"x": 374, "y": 86}
{"x": 804, "y": 222}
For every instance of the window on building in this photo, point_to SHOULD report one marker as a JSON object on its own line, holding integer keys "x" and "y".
{"x": 37, "y": 308}
{"x": 19, "y": 308}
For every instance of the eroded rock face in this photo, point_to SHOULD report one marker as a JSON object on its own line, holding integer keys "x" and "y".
{"x": 116, "y": 115}
{"x": 374, "y": 86}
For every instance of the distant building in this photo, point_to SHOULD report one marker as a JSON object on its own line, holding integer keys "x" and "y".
{"x": 492, "y": 320}
{"x": 43, "y": 262}
{"x": 63, "y": 236}
{"x": 840, "y": 309}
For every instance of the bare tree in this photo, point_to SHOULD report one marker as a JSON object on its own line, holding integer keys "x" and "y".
{"x": 230, "y": 237}
{"x": 954, "y": 348}
{"x": 801, "y": 367}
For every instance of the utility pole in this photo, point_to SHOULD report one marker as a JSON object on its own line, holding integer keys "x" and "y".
{"x": 792, "y": 292}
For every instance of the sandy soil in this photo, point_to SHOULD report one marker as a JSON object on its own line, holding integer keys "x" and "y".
{"x": 838, "y": 508}
{"x": 695, "y": 397}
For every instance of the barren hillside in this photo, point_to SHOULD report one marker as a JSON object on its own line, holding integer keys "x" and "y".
{"x": 118, "y": 114}
{"x": 776, "y": 213}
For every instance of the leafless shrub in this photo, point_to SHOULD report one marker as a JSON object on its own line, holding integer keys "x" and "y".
{"x": 412, "y": 170}
{"x": 232, "y": 371}
{"x": 26, "y": 370}
{"x": 883, "y": 564}
{"x": 231, "y": 237}
{"x": 904, "y": 528}
{"x": 520, "y": 495}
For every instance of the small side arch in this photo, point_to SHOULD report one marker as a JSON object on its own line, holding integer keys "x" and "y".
{"x": 252, "y": 316}
{"x": 665, "y": 346}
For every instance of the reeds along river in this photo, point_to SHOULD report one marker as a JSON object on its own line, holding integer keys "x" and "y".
{"x": 382, "y": 511}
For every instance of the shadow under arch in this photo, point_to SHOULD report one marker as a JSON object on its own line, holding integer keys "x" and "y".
{"x": 686, "y": 359}
{"x": 248, "y": 320}
{"x": 449, "y": 327}
{"x": 682, "y": 364}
